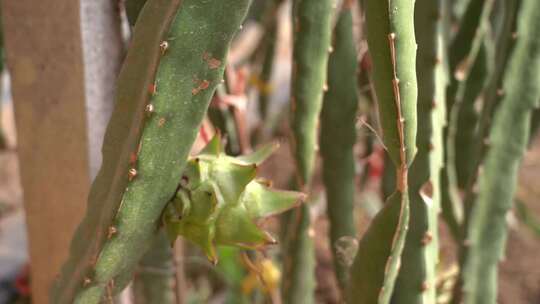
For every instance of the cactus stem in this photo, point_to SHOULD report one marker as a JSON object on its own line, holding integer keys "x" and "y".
{"x": 402, "y": 171}
{"x": 109, "y": 288}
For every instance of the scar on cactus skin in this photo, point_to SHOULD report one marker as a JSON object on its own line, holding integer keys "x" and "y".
{"x": 221, "y": 202}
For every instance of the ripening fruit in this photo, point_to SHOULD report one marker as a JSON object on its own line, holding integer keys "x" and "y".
{"x": 220, "y": 201}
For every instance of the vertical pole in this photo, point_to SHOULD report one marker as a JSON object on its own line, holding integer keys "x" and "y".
{"x": 43, "y": 46}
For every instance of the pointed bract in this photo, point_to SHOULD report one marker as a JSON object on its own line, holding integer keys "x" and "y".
{"x": 262, "y": 201}
{"x": 219, "y": 202}
{"x": 259, "y": 156}
{"x": 213, "y": 147}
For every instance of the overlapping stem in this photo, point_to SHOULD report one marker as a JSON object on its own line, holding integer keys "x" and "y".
{"x": 416, "y": 280}
{"x": 391, "y": 40}
{"x": 338, "y": 136}
{"x": 153, "y": 282}
{"x": 508, "y": 140}
{"x": 312, "y": 21}
{"x": 147, "y": 142}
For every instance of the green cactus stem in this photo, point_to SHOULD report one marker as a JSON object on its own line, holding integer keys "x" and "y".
{"x": 220, "y": 202}
{"x": 133, "y": 9}
{"x": 265, "y": 55}
{"x": 508, "y": 140}
{"x": 312, "y": 26}
{"x": 391, "y": 40}
{"x": 467, "y": 117}
{"x": 463, "y": 54}
{"x": 144, "y": 153}
{"x": 312, "y": 35}
{"x": 338, "y": 136}
{"x": 417, "y": 277}
{"x": 474, "y": 18}
{"x": 154, "y": 277}
{"x": 505, "y": 44}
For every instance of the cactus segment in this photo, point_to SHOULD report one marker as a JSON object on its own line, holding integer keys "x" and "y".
{"x": 155, "y": 144}
{"x": 463, "y": 53}
{"x": 393, "y": 52}
{"x": 416, "y": 280}
{"x": 392, "y": 45}
{"x": 267, "y": 53}
{"x": 376, "y": 264}
{"x": 508, "y": 138}
{"x": 468, "y": 118}
{"x": 312, "y": 27}
{"x": 121, "y": 140}
{"x": 505, "y": 43}
{"x": 298, "y": 284}
{"x": 312, "y": 35}
{"x": 155, "y": 273}
{"x": 220, "y": 202}
{"x": 466, "y": 39}
{"x": 133, "y": 9}
{"x": 338, "y": 136}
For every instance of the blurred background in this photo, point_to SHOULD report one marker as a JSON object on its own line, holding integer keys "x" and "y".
{"x": 57, "y": 94}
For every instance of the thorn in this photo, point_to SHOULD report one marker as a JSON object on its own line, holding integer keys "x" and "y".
{"x": 269, "y": 239}
{"x": 325, "y": 87}
{"x": 433, "y": 104}
{"x": 112, "y": 231}
{"x": 425, "y": 286}
{"x": 241, "y": 27}
{"x": 163, "y": 46}
{"x": 213, "y": 63}
{"x": 514, "y": 35}
{"x": 149, "y": 109}
{"x": 330, "y": 49}
{"x": 500, "y": 92}
{"x": 132, "y": 173}
{"x": 184, "y": 181}
{"x": 86, "y": 281}
{"x": 152, "y": 89}
{"x": 202, "y": 86}
{"x": 428, "y": 237}
{"x": 161, "y": 121}
{"x": 133, "y": 158}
